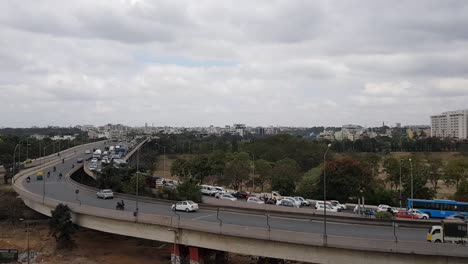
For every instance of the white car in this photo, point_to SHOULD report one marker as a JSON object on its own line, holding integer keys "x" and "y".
{"x": 330, "y": 208}
{"x": 187, "y": 206}
{"x": 303, "y": 201}
{"x": 105, "y": 193}
{"x": 227, "y": 196}
{"x": 254, "y": 199}
{"x": 219, "y": 191}
{"x": 87, "y": 151}
{"x": 420, "y": 214}
{"x": 385, "y": 208}
{"x": 94, "y": 160}
{"x": 296, "y": 202}
{"x": 337, "y": 203}
{"x": 208, "y": 190}
{"x": 319, "y": 204}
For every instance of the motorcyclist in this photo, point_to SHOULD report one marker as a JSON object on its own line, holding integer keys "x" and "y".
{"x": 55, "y": 169}
{"x": 60, "y": 176}
{"x": 28, "y": 179}
{"x": 73, "y": 165}
{"x": 63, "y": 160}
{"x": 48, "y": 174}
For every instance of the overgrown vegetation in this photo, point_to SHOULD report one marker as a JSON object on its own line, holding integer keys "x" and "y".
{"x": 61, "y": 227}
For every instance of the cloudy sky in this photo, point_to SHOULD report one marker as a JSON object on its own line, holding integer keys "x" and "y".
{"x": 191, "y": 63}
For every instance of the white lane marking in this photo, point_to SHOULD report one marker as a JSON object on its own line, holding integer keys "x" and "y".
{"x": 203, "y": 216}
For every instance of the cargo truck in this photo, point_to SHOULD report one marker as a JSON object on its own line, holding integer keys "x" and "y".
{"x": 450, "y": 231}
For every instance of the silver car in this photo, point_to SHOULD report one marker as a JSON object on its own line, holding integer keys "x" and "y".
{"x": 105, "y": 194}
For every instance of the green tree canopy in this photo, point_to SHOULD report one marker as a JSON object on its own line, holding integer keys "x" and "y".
{"x": 346, "y": 178}
{"x": 237, "y": 169}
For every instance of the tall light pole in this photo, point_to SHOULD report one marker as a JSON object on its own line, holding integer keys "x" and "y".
{"x": 400, "y": 187}
{"x": 325, "y": 195}
{"x": 253, "y": 173}
{"x": 27, "y": 234}
{"x": 137, "y": 179}
{"x": 411, "y": 170}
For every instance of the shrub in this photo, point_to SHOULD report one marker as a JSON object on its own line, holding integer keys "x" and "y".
{"x": 384, "y": 215}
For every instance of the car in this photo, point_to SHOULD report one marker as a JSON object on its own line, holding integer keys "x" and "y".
{"x": 105, "y": 193}
{"x": 87, "y": 151}
{"x": 296, "y": 202}
{"x": 227, "y": 196}
{"x": 94, "y": 160}
{"x": 458, "y": 217}
{"x": 386, "y": 208}
{"x": 241, "y": 195}
{"x": 219, "y": 191}
{"x": 320, "y": 204}
{"x": 406, "y": 214}
{"x": 253, "y": 199}
{"x": 79, "y": 160}
{"x": 337, "y": 203}
{"x": 208, "y": 190}
{"x": 286, "y": 202}
{"x": 187, "y": 206}
{"x": 330, "y": 208}
{"x": 93, "y": 166}
{"x": 420, "y": 214}
{"x": 304, "y": 202}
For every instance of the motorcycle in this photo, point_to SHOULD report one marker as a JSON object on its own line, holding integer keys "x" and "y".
{"x": 28, "y": 179}
{"x": 120, "y": 205}
{"x": 55, "y": 169}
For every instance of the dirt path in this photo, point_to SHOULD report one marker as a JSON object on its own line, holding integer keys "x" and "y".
{"x": 91, "y": 247}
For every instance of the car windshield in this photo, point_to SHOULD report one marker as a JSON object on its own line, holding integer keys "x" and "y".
{"x": 190, "y": 202}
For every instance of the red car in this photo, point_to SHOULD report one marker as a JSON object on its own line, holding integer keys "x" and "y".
{"x": 406, "y": 214}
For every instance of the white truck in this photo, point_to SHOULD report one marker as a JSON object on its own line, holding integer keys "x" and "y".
{"x": 273, "y": 195}
{"x": 450, "y": 231}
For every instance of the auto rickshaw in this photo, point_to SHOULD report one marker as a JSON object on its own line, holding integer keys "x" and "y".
{"x": 39, "y": 175}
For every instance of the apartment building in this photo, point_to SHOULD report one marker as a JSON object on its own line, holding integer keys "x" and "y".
{"x": 452, "y": 124}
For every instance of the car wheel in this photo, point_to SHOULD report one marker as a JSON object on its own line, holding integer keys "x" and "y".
{"x": 437, "y": 241}
{"x": 186, "y": 210}
{"x": 425, "y": 218}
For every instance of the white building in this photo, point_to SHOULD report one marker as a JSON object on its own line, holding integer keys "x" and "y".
{"x": 452, "y": 124}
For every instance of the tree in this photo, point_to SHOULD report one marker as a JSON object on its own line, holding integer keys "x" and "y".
{"x": 189, "y": 190}
{"x": 200, "y": 168}
{"x": 262, "y": 172}
{"x": 131, "y": 185}
{"x": 285, "y": 175}
{"x": 61, "y": 227}
{"x": 307, "y": 187}
{"x": 346, "y": 178}
{"x": 435, "y": 172}
{"x": 456, "y": 171}
{"x": 237, "y": 169}
{"x": 392, "y": 170}
{"x": 181, "y": 168}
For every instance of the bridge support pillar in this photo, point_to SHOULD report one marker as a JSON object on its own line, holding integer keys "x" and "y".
{"x": 195, "y": 256}
{"x": 175, "y": 254}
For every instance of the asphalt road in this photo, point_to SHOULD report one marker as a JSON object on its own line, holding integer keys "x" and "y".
{"x": 61, "y": 189}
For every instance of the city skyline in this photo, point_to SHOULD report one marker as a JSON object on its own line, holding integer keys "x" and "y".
{"x": 183, "y": 63}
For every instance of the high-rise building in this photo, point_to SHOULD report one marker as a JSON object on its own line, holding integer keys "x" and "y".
{"x": 452, "y": 124}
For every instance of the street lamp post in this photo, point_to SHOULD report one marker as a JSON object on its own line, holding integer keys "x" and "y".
{"x": 137, "y": 174}
{"x": 253, "y": 173}
{"x": 411, "y": 170}
{"x": 325, "y": 196}
{"x": 400, "y": 187}
{"x": 27, "y": 234}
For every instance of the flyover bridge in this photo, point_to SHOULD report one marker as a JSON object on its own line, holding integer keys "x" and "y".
{"x": 194, "y": 234}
